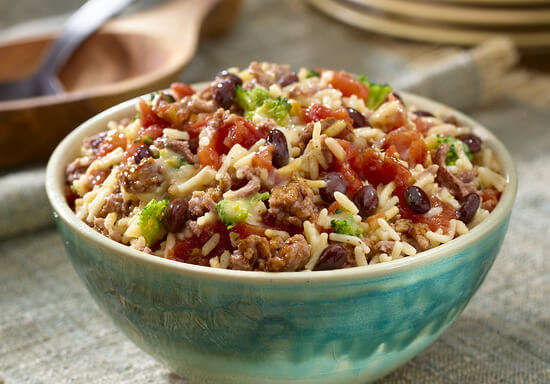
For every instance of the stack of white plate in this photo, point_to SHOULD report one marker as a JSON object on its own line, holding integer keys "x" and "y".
{"x": 464, "y": 22}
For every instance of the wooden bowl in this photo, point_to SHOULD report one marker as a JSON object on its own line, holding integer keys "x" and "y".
{"x": 126, "y": 58}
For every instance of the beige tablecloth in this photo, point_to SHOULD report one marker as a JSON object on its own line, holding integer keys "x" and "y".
{"x": 52, "y": 332}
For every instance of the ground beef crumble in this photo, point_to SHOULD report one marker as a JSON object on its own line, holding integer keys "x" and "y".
{"x": 292, "y": 204}
{"x": 258, "y": 253}
{"x": 203, "y": 201}
{"x": 142, "y": 177}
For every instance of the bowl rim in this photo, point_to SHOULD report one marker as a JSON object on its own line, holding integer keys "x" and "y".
{"x": 61, "y": 157}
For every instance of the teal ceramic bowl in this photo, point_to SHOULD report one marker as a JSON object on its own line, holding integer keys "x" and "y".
{"x": 222, "y": 326}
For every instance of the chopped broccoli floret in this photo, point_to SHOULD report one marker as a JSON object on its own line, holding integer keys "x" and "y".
{"x": 452, "y": 155}
{"x": 250, "y": 100}
{"x": 278, "y": 109}
{"x": 232, "y": 212}
{"x": 377, "y": 92}
{"x": 150, "y": 221}
{"x": 258, "y": 101}
{"x": 313, "y": 73}
{"x": 346, "y": 226}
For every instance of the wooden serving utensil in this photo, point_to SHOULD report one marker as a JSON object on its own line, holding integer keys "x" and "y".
{"x": 128, "y": 57}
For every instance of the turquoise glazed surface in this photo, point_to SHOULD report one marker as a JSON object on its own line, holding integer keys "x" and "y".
{"x": 217, "y": 326}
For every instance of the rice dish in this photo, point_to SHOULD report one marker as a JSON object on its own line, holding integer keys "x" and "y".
{"x": 268, "y": 169}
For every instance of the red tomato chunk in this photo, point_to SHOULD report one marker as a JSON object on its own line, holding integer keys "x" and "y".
{"x": 348, "y": 85}
{"x": 316, "y": 112}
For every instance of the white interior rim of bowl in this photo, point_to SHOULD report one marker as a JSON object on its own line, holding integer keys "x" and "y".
{"x": 60, "y": 158}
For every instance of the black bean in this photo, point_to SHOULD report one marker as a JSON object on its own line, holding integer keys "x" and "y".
{"x": 358, "y": 118}
{"x": 335, "y": 182}
{"x": 230, "y": 76}
{"x": 142, "y": 152}
{"x": 417, "y": 200}
{"x": 333, "y": 257}
{"x": 469, "y": 207}
{"x": 473, "y": 141}
{"x": 224, "y": 93}
{"x": 175, "y": 217}
{"x": 366, "y": 199}
{"x": 288, "y": 78}
{"x": 280, "y": 154}
{"x": 423, "y": 113}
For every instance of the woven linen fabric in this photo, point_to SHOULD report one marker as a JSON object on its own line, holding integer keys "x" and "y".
{"x": 52, "y": 332}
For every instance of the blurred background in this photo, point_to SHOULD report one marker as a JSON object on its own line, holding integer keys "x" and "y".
{"x": 496, "y": 71}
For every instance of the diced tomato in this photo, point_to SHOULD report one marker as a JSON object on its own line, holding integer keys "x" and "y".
{"x": 378, "y": 169}
{"x": 189, "y": 250}
{"x": 264, "y": 158}
{"x": 110, "y": 143}
{"x": 408, "y": 144}
{"x": 345, "y": 168}
{"x": 98, "y": 176}
{"x": 209, "y": 156}
{"x": 421, "y": 124}
{"x": 242, "y": 132}
{"x": 195, "y": 128}
{"x": 434, "y": 222}
{"x": 351, "y": 150}
{"x": 245, "y": 229}
{"x": 148, "y": 117}
{"x": 490, "y": 198}
{"x": 317, "y": 112}
{"x": 181, "y": 90}
{"x": 353, "y": 179}
{"x": 238, "y": 131}
{"x": 348, "y": 85}
{"x": 153, "y": 131}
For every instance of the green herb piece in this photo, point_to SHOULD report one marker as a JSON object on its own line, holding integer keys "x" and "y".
{"x": 346, "y": 226}
{"x": 169, "y": 98}
{"x": 377, "y": 92}
{"x": 152, "y": 95}
{"x": 150, "y": 221}
{"x": 312, "y": 73}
